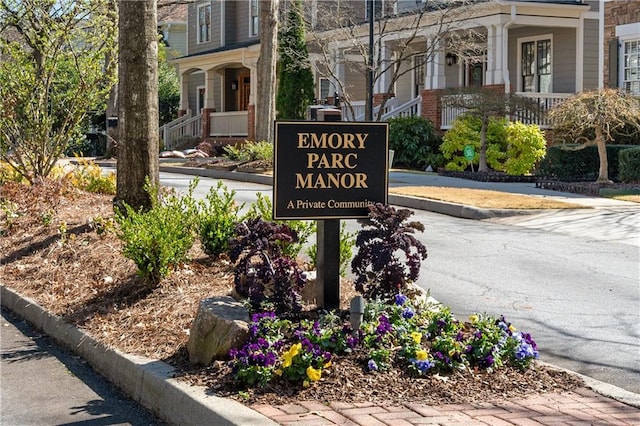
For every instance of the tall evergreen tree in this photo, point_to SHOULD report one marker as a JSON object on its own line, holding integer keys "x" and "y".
{"x": 296, "y": 88}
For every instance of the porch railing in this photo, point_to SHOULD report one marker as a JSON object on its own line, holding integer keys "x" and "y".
{"x": 359, "y": 110}
{"x": 408, "y": 109}
{"x": 230, "y": 123}
{"x": 186, "y": 125}
{"x": 545, "y": 101}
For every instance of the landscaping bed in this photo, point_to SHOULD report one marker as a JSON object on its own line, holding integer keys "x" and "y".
{"x": 57, "y": 248}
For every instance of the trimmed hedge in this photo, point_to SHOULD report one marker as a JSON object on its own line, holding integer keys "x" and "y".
{"x": 629, "y": 164}
{"x": 582, "y": 165}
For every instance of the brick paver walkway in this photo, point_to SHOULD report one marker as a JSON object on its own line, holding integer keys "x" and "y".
{"x": 581, "y": 407}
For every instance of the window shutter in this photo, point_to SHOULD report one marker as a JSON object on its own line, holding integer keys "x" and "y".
{"x": 613, "y": 63}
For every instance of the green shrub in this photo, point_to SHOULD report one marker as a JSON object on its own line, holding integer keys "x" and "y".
{"x": 262, "y": 150}
{"x": 347, "y": 242}
{"x": 581, "y": 165}
{"x": 629, "y": 164}
{"x": 414, "y": 142}
{"x": 466, "y": 131}
{"x": 89, "y": 177}
{"x": 232, "y": 152}
{"x": 218, "y": 214}
{"x": 250, "y": 151}
{"x": 303, "y": 229}
{"x": 526, "y": 146}
{"x": 159, "y": 239}
{"x": 513, "y": 148}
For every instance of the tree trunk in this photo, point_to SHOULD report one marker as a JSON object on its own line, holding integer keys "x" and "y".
{"x": 603, "y": 174}
{"x": 482, "y": 161}
{"x": 266, "y": 84}
{"x": 138, "y": 135}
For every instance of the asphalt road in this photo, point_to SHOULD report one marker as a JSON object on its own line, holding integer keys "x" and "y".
{"x": 571, "y": 279}
{"x": 42, "y": 384}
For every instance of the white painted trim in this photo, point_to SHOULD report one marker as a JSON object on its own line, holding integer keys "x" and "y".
{"x": 201, "y": 6}
{"x": 519, "y": 42}
{"x": 198, "y": 106}
{"x": 601, "y": 45}
{"x": 628, "y": 30}
{"x": 223, "y": 5}
{"x": 251, "y": 34}
{"x": 579, "y": 58}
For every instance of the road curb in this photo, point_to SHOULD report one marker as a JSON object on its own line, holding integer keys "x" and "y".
{"x": 147, "y": 381}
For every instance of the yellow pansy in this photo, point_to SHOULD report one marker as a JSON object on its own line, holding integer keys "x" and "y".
{"x": 473, "y": 319}
{"x": 512, "y": 328}
{"x": 313, "y": 374}
{"x": 416, "y": 336}
{"x": 421, "y": 355}
{"x": 287, "y": 357}
{"x": 327, "y": 364}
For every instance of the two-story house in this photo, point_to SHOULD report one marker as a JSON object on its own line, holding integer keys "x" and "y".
{"x": 543, "y": 49}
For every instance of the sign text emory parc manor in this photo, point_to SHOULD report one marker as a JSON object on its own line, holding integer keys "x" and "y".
{"x": 329, "y": 169}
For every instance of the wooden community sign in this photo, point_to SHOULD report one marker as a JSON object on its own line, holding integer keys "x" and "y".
{"x": 329, "y": 170}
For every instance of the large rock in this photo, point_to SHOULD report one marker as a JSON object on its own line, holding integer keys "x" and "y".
{"x": 221, "y": 323}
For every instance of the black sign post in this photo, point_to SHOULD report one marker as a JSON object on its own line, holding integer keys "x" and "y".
{"x": 329, "y": 171}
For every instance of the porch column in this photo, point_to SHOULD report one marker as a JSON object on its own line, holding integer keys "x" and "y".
{"x": 439, "y": 79}
{"x": 580, "y": 53}
{"x": 382, "y": 83}
{"x": 428, "y": 69}
{"x": 209, "y": 102}
{"x": 251, "y": 108}
{"x": 493, "y": 56}
{"x": 184, "y": 94}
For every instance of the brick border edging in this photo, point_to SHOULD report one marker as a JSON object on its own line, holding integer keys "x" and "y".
{"x": 147, "y": 381}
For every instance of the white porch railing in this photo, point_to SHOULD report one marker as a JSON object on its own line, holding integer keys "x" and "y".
{"x": 230, "y": 123}
{"x": 358, "y": 110}
{"x": 181, "y": 126}
{"x": 408, "y": 109}
{"x": 545, "y": 101}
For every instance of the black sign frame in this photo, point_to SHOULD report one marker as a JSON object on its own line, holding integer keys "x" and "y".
{"x": 329, "y": 170}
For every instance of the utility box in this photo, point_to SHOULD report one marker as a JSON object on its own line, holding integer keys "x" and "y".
{"x": 323, "y": 113}
{"x": 329, "y": 114}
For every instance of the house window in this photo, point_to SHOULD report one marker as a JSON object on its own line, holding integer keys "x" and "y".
{"x": 324, "y": 88}
{"x": 535, "y": 66}
{"x": 631, "y": 66}
{"x": 253, "y": 20}
{"x": 377, "y": 8}
{"x": 204, "y": 23}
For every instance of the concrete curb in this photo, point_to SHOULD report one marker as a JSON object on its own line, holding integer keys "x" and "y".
{"x": 148, "y": 382}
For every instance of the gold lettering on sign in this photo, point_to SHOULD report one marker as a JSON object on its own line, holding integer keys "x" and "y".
{"x": 331, "y": 180}
{"x": 332, "y": 140}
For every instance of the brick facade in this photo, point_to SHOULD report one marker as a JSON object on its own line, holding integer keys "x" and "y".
{"x": 617, "y": 12}
{"x": 251, "y": 122}
{"x": 206, "y": 121}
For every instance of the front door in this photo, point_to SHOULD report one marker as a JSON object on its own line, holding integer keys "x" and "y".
{"x": 244, "y": 92}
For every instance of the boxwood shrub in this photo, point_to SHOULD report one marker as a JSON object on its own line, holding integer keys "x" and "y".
{"x": 629, "y": 164}
{"x": 581, "y": 165}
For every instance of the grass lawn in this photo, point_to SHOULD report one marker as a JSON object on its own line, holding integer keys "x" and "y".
{"x": 482, "y": 198}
